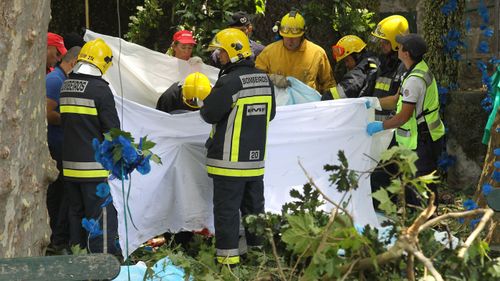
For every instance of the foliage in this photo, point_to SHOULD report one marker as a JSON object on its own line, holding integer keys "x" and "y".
{"x": 305, "y": 243}
{"x": 155, "y": 21}
{"x": 443, "y": 29}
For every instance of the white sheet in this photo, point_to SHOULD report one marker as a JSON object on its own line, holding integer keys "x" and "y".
{"x": 178, "y": 194}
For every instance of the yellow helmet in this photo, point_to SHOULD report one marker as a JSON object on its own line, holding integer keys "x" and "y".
{"x": 347, "y": 45}
{"x": 195, "y": 89}
{"x": 292, "y": 25}
{"x": 390, "y": 27}
{"x": 234, "y": 42}
{"x": 98, "y": 53}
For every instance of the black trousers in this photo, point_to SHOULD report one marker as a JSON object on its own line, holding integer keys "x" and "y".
{"x": 428, "y": 152}
{"x": 57, "y": 203}
{"x": 84, "y": 203}
{"x": 230, "y": 197}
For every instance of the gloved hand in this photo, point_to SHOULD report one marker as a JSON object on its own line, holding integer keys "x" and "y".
{"x": 374, "y": 127}
{"x": 279, "y": 80}
{"x": 194, "y": 60}
{"x": 368, "y": 104}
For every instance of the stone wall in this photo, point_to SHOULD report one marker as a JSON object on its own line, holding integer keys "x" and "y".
{"x": 465, "y": 120}
{"x": 464, "y": 115}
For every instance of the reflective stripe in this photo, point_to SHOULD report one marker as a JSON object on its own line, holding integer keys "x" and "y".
{"x": 82, "y": 165}
{"x": 403, "y": 133}
{"x": 426, "y": 75}
{"x": 235, "y": 165}
{"x": 227, "y": 252}
{"x": 238, "y": 120}
{"x": 338, "y": 92}
{"x": 235, "y": 173}
{"x": 382, "y": 117}
{"x": 85, "y": 173}
{"x": 77, "y": 101}
{"x": 78, "y": 110}
{"x": 240, "y": 105}
{"x": 228, "y": 260}
{"x": 434, "y": 124}
{"x": 383, "y": 83}
{"x": 251, "y": 93}
{"x": 226, "y": 150}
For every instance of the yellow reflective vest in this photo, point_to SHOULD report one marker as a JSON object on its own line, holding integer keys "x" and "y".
{"x": 407, "y": 134}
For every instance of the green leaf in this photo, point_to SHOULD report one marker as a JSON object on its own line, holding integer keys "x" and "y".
{"x": 117, "y": 154}
{"x": 385, "y": 202}
{"x": 395, "y": 186}
{"x": 155, "y": 158}
{"x": 301, "y": 233}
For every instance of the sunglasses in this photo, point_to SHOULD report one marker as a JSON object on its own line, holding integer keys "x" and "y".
{"x": 292, "y": 30}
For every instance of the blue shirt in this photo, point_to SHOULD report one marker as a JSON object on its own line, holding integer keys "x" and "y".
{"x": 53, "y": 84}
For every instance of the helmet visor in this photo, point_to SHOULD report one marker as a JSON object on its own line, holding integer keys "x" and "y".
{"x": 338, "y": 51}
{"x": 291, "y": 30}
{"x": 193, "y": 103}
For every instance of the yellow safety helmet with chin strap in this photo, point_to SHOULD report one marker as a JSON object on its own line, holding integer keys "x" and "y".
{"x": 390, "y": 27}
{"x": 347, "y": 45}
{"x": 195, "y": 89}
{"x": 98, "y": 53}
{"x": 292, "y": 25}
{"x": 234, "y": 42}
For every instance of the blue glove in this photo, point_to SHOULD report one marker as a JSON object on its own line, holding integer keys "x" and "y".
{"x": 374, "y": 127}
{"x": 368, "y": 104}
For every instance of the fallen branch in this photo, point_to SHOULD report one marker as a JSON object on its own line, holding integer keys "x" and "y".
{"x": 311, "y": 181}
{"x": 428, "y": 264}
{"x": 436, "y": 220}
{"x": 488, "y": 213}
{"x": 275, "y": 254}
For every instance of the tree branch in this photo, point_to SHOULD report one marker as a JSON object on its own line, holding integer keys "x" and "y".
{"x": 488, "y": 213}
{"x": 436, "y": 220}
{"x": 427, "y": 263}
{"x": 311, "y": 181}
{"x": 275, "y": 254}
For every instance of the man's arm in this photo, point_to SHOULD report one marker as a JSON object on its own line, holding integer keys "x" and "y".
{"x": 390, "y": 102}
{"x": 53, "y": 117}
{"x": 325, "y": 76}
{"x": 402, "y": 117}
{"x": 219, "y": 102}
{"x": 106, "y": 108}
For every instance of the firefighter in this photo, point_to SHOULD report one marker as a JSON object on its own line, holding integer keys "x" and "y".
{"x": 296, "y": 56}
{"x": 240, "y": 106}
{"x": 362, "y": 68}
{"x": 419, "y": 126}
{"x": 184, "y": 96}
{"x": 87, "y": 111}
{"x": 391, "y": 68}
{"x": 387, "y": 84}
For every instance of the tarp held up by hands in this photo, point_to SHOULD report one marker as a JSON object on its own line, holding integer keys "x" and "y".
{"x": 178, "y": 194}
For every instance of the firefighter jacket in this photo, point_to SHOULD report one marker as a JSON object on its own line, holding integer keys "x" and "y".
{"x": 388, "y": 80}
{"x": 171, "y": 101}
{"x": 358, "y": 82}
{"x": 240, "y": 106}
{"x": 407, "y": 134}
{"x": 309, "y": 64}
{"x": 87, "y": 111}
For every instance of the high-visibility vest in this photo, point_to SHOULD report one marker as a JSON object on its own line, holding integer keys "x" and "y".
{"x": 407, "y": 134}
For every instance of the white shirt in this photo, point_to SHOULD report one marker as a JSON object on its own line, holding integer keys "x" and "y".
{"x": 413, "y": 90}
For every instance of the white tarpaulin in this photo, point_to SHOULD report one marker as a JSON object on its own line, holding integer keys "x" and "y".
{"x": 178, "y": 194}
